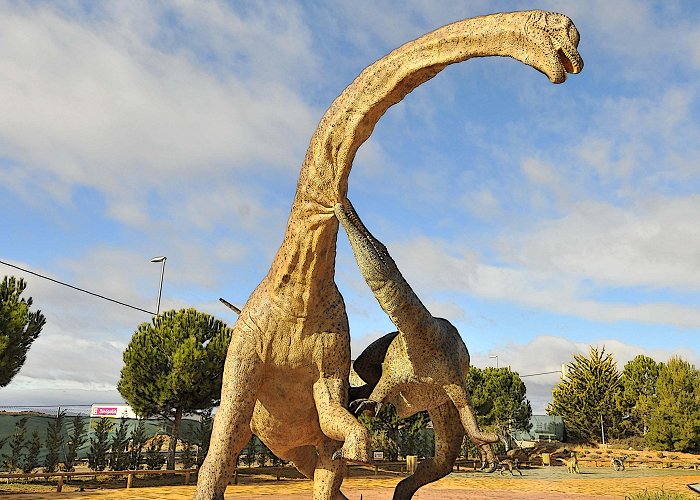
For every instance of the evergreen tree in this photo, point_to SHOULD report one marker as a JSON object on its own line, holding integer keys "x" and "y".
{"x": 395, "y": 436}
{"x": 19, "y": 327}
{"x": 54, "y": 442}
{"x": 188, "y": 457}
{"x": 250, "y": 451}
{"x": 18, "y": 443}
{"x": 154, "y": 459}
{"x": 119, "y": 457}
{"x": 413, "y": 438}
{"x": 674, "y": 422}
{"x": 31, "y": 459}
{"x": 498, "y": 397}
{"x": 75, "y": 440}
{"x": 137, "y": 441}
{"x": 588, "y": 395}
{"x": 202, "y": 435}
{"x": 638, "y": 394}
{"x": 99, "y": 445}
{"x": 174, "y": 366}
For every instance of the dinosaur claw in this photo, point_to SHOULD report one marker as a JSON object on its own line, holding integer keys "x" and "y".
{"x": 337, "y": 455}
{"x": 492, "y": 467}
{"x": 377, "y": 409}
{"x": 359, "y": 406}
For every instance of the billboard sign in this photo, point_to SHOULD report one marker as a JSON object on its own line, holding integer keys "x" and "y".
{"x": 112, "y": 411}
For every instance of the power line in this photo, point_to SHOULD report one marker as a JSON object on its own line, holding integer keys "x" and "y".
{"x": 79, "y": 289}
{"x": 543, "y": 373}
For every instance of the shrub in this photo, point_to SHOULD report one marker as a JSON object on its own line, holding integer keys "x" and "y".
{"x": 154, "y": 458}
{"x": 658, "y": 495}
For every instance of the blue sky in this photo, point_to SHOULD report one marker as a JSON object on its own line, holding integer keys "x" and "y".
{"x": 539, "y": 219}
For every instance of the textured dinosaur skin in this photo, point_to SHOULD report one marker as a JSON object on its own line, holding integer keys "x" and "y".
{"x": 287, "y": 367}
{"x": 425, "y": 364}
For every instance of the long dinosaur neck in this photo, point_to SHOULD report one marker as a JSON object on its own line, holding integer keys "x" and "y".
{"x": 392, "y": 291}
{"x": 307, "y": 255}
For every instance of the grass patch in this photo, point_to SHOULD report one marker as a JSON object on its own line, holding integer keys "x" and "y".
{"x": 658, "y": 495}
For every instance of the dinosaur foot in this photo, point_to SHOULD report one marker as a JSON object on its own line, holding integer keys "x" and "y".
{"x": 338, "y": 455}
{"x": 492, "y": 466}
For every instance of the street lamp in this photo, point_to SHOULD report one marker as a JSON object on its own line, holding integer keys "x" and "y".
{"x": 495, "y": 356}
{"x": 162, "y": 259}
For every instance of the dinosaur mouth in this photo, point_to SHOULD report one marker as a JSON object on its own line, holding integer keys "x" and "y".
{"x": 565, "y": 61}
{"x": 570, "y": 63}
{"x": 567, "y": 54}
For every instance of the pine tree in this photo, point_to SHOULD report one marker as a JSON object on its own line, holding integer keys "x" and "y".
{"x": 99, "y": 445}
{"x": 588, "y": 395}
{"x": 31, "y": 459}
{"x": 674, "y": 422}
{"x": 119, "y": 457}
{"x": 75, "y": 440}
{"x": 137, "y": 441}
{"x": 154, "y": 459}
{"x": 395, "y": 436}
{"x": 202, "y": 435}
{"x": 54, "y": 442}
{"x": 18, "y": 443}
{"x": 250, "y": 451}
{"x": 639, "y": 377}
{"x": 498, "y": 396}
{"x": 19, "y": 327}
{"x": 174, "y": 366}
{"x": 188, "y": 455}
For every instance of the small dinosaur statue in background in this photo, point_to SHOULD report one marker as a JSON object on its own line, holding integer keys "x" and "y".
{"x": 571, "y": 463}
{"x": 286, "y": 372}
{"x": 424, "y": 366}
{"x": 509, "y": 465}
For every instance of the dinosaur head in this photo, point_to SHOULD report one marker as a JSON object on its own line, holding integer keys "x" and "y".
{"x": 553, "y": 39}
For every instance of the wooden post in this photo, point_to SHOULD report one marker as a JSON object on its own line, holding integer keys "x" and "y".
{"x": 59, "y": 488}
{"x": 376, "y": 469}
{"x": 279, "y": 470}
{"x": 411, "y": 463}
{"x": 129, "y": 480}
{"x": 187, "y": 478}
{"x": 235, "y": 476}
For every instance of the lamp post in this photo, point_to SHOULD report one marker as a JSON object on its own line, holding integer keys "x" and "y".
{"x": 162, "y": 259}
{"x": 495, "y": 356}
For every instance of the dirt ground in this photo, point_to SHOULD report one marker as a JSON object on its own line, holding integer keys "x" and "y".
{"x": 544, "y": 483}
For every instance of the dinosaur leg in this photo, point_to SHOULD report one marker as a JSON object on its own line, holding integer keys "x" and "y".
{"x": 242, "y": 377}
{"x": 483, "y": 453}
{"x": 460, "y": 397}
{"x": 304, "y": 459}
{"x": 448, "y": 441}
{"x": 337, "y": 422}
{"x": 329, "y": 473}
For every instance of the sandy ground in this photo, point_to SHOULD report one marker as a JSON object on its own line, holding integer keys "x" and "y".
{"x": 535, "y": 484}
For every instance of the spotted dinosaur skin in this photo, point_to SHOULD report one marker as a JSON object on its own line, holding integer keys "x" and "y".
{"x": 425, "y": 364}
{"x": 287, "y": 367}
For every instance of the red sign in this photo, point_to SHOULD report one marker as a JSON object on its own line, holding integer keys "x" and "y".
{"x": 106, "y": 411}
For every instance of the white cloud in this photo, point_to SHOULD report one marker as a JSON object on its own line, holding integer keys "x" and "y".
{"x": 97, "y": 104}
{"x": 653, "y": 245}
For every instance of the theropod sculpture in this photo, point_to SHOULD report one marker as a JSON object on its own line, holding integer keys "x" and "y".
{"x": 286, "y": 371}
{"x": 425, "y": 365}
